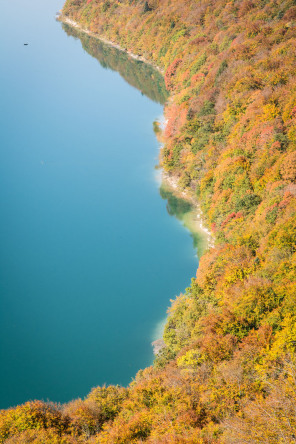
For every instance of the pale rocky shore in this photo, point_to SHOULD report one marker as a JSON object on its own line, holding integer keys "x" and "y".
{"x": 158, "y": 345}
{"x": 172, "y": 182}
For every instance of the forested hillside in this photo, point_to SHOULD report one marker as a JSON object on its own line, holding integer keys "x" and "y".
{"x": 227, "y": 371}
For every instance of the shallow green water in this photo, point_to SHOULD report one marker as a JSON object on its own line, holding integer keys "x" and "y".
{"x": 89, "y": 255}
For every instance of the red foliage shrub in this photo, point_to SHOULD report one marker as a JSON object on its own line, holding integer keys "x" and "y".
{"x": 288, "y": 168}
{"x": 170, "y": 72}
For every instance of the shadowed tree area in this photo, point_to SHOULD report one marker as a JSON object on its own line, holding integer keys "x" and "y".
{"x": 136, "y": 73}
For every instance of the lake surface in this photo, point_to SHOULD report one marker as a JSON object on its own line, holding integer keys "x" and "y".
{"x": 90, "y": 256}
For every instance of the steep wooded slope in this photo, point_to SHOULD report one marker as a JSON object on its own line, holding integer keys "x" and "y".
{"x": 227, "y": 373}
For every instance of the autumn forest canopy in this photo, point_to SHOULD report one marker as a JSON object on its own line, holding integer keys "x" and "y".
{"x": 227, "y": 373}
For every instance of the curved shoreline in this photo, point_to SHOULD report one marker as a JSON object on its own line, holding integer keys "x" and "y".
{"x": 170, "y": 180}
{"x": 194, "y": 223}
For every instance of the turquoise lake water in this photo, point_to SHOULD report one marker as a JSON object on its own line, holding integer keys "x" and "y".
{"x": 90, "y": 256}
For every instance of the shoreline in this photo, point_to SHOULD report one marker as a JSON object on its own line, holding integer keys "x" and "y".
{"x": 195, "y": 223}
{"x": 61, "y": 18}
{"x": 172, "y": 182}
